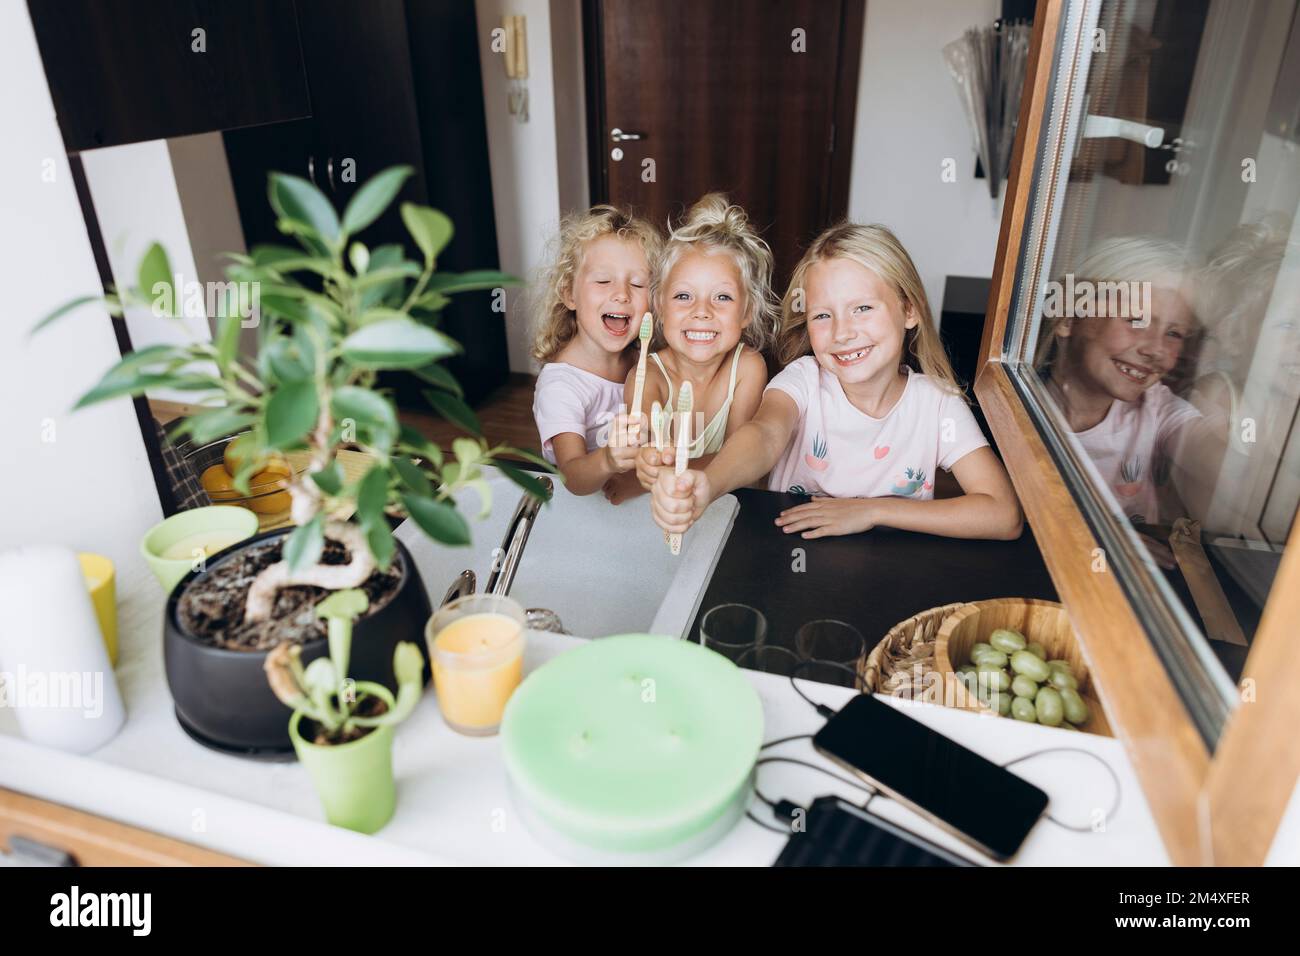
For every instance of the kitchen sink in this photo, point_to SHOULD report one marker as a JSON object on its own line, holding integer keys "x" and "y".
{"x": 603, "y": 569}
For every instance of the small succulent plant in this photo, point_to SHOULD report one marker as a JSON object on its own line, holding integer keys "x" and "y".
{"x": 323, "y": 692}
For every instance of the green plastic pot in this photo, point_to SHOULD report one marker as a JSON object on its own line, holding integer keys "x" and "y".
{"x": 354, "y": 780}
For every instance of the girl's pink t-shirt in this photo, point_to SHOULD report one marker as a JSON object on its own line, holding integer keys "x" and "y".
{"x": 1132, "y": 447}
{"x": 841, "y": 452}
{"x": 570, "y": 399}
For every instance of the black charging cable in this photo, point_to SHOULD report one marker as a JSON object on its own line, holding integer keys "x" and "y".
{"x": 783, "y": 809}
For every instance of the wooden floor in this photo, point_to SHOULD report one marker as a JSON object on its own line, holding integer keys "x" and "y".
{"x": 506, "y": 416}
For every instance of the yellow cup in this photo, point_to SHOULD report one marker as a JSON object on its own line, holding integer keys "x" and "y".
{"x": 98, "y": 572}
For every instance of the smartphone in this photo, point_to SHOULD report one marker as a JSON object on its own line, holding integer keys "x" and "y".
{"x": 972, "y": 798}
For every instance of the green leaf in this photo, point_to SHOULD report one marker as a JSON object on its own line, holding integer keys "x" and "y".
{"x": 449, "y": 282}
{"x": 396, "y": 343}
{"x": 368, "y": 409}
{"x": 430, "y": 229}
{"x": 138, "y": 383}
{"x": 403, "y": 270}
{"x": 454, "y": 410}
{"x": 305, "y": 545}
{"x": 347, "y": 605}
{"x": 413, "y": 477}
{"x": 284, "y": 359}
{"x": 156, "y": 271}
{"x": 528, "y": 455}
{"x": 64, "y": 310}
{"x": 268, "y": 254}
{"x": 297, "y": 200}
{"x": 227, "y": 340}
{"x": 438, "y": 519}
{"x": 438, "y": 376}
{"x": 372, "y": 495}
{"x": 209, "y": 426}
{"x": 381, "y": 257}
{"x": 359, "y": 256}
{"x": 295, "y": 310}
{"x": 291, "y": 413}
{"x": 415, "y": 441}
{"x": 330, "y": 478}
{"x": 526, "y": 481}
{"x": 380, "y": 538}
{"x": 373, "y": 198}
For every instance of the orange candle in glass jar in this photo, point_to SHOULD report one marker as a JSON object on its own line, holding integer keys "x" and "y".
{"x": 476, "y": 645}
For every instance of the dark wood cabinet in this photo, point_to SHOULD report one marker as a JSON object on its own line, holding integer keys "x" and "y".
{"x": 137, "y": 70}
{"x": 391, "y": 83}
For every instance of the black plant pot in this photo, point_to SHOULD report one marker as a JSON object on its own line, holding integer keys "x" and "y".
{"x": 222, "y": 697}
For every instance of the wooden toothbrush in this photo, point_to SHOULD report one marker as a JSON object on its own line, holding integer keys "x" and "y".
{"x": 638, "y": 386}
{"x": 685, "y": 403}
{"x": 657, "y": 436}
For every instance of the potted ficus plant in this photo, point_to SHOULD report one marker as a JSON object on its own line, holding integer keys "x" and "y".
{"x": 342, "y": 729}
{"x": 331, "y": 315}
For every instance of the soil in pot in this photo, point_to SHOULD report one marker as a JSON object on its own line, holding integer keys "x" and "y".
{"x": 212, "y": 607}
{"x": 369, "y": 706}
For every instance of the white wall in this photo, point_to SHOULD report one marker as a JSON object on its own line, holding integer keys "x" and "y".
{"x": 909, "y": 119}
{"x": 133, "y": 188}
{"x": 525, "y": 177}
{"x": 90, "y": 488}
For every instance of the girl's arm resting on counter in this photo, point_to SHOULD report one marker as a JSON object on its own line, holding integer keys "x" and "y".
{"x": 584, "y": 472}
{"x": 987, "y": 509}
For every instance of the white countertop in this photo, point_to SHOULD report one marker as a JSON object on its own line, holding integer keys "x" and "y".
{"x": 452, "y": 802}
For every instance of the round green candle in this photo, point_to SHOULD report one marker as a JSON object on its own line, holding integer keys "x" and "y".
{"x": 633, "y": 743}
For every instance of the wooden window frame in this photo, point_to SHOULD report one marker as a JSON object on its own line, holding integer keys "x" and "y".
{"x": 1220, "y": 808}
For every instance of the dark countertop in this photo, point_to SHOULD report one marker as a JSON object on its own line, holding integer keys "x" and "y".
{"x": 872, "y": 580}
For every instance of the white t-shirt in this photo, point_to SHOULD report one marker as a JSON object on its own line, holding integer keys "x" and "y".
{"x": 570, "y": 399}
{"x": 842, "y": 452}
{"x": 1132, "y": 447}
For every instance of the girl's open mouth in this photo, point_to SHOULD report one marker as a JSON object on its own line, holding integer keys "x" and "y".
{"x": 1136, "y": 373}
{"x": 616, "y": 323}
{"x": 844, "y": 359}
{"x": 699, "y": 335}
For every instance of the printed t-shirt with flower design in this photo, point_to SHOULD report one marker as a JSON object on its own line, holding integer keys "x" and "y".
{"x": 1132, "y": 447}
{"x": 841, "y": 452}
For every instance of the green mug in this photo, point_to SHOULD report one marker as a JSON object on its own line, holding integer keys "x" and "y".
{"x": 180, "y": 543}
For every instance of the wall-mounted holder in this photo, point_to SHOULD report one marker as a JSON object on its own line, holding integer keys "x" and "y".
{"x": 516, "y": 54}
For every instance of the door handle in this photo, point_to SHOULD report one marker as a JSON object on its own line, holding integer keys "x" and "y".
{"x": 616, "y": 135}
{"x": 311, "y": 169}
{"x": 329, "y": 171}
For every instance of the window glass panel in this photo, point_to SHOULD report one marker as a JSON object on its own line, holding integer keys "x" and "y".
{"x": 1157, "y": 320}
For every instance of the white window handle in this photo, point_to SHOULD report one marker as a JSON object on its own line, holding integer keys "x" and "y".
{"x": 1102, "y": 127}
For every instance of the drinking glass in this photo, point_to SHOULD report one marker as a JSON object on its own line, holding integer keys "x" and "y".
{"x": 732, "y": 630}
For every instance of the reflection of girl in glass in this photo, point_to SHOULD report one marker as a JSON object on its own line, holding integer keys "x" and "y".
{"x": 1105, "y": 358}
{"x": 1234, "y": 298}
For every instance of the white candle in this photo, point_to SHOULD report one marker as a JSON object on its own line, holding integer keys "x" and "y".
{"x": 53, "y": 663}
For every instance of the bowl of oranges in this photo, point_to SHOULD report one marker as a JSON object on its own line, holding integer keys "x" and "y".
{"x": 216, "y": 465}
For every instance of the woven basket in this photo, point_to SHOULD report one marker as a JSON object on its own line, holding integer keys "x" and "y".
{"x": 900, "y": 645}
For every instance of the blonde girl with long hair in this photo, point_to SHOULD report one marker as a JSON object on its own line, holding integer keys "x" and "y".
{"x": 715, "y": 315}
{"x": 864, "y": 412}
{"x": 589, "y": 304}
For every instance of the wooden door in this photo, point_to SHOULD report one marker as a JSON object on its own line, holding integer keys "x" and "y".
{"x": 751, "y": 97}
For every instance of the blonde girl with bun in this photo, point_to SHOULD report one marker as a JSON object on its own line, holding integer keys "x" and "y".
{"x": 589, "y": 303}
{"x": 714, "y": 317}
{"x": 864, "y": 412}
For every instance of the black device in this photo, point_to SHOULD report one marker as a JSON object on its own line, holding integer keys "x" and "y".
{"x": 836, "y": 833}
{"x": 972, "y": 798}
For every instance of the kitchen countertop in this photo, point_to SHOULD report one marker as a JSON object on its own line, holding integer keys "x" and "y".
{"x": 453, "y": 804}
{"x": 872, "y": 580}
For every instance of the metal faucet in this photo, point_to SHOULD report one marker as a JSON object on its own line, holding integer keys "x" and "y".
{"x": 505, "y": 560}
